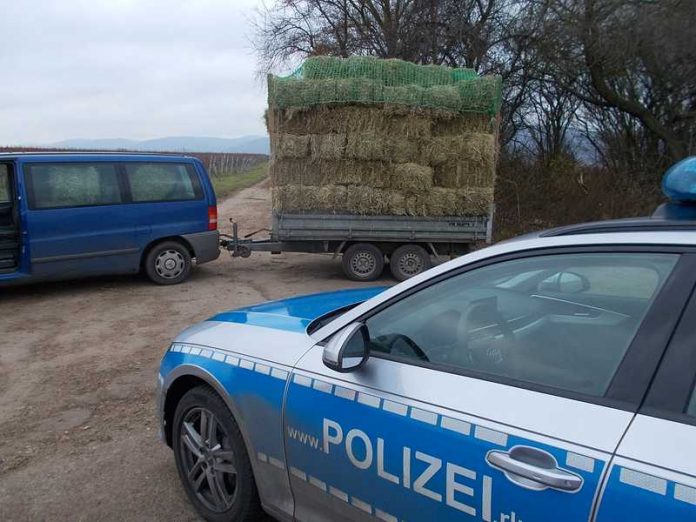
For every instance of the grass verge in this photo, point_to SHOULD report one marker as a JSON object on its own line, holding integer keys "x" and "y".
{"x": 227, "y": 184}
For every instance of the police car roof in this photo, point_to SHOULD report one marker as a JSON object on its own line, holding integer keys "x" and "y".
{"x": 612, "y": 226}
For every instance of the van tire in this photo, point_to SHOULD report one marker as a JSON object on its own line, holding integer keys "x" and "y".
{"x": 168, "y": 263}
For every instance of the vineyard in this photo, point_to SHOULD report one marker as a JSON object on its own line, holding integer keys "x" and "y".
{"x": 217, "y": 163}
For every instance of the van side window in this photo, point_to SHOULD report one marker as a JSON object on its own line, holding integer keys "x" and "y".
{"x": 55, "y": 185}
{"x": 4, "y": 184}
{"x": 162, "y": 182}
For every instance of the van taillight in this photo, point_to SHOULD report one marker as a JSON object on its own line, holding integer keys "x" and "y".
{"x": 212, "y": 218}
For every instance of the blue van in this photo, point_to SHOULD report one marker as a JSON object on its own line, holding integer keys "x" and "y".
{"x": 69, "y": 215}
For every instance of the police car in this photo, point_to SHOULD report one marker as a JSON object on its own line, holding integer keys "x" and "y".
{"x": 546, "y": 378}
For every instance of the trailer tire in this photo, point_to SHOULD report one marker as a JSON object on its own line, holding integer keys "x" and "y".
{"x": 408, "y": 261}
{"x": 363, "y": 262}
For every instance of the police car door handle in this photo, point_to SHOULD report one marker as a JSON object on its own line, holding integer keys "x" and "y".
{"x": 534, "y": 469}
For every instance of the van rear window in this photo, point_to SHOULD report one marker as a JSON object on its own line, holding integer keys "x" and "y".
{"x": 56, "y": 185}
{"x": 162, "y": 182}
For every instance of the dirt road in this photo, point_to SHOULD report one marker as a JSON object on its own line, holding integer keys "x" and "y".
{"x": 78, "y": 366}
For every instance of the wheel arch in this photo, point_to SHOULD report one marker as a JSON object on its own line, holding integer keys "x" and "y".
{"x": 185, "y": 378}
{"x": 387, "y": 247}
{"x": 152, "y": 244}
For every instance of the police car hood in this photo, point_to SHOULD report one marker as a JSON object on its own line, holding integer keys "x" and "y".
{"x": 274, "y": 330}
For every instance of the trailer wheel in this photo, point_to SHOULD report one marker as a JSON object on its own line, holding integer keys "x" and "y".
{"x": 363, "y": 262}
{"x": 408, "y": 261}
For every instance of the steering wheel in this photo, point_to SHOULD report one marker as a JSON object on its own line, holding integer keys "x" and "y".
{"x": 408, "y": 342}
{"x": 486, "y": 354}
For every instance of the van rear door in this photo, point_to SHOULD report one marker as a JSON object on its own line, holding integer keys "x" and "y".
{"x": 9, "y": 221}
{"x": 76, "y": 220}
{"x": 167, "y": 199}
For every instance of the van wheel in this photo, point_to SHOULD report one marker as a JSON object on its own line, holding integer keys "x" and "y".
{"x": 168, "y": 263}
{"x": 408, "y": 261}
{"x": 363, "y": 262}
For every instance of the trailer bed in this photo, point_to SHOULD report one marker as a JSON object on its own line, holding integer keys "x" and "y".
{"x": 330, "y": 227}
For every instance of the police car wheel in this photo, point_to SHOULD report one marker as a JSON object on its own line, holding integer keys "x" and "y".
{"x": 408, "y": 261}
{"x": 212, "y": 460}
{"x": 363, "y": 262}
{"x": 168, "y": 263}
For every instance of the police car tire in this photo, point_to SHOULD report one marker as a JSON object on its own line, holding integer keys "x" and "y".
{"x": 151, "y": 260}
{"x": 415, "y": 253}
{"x": 246, "y": 507}
{"x": 366, "y": 250}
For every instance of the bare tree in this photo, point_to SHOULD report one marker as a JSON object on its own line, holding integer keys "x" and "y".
{"x": 636, "y": 56}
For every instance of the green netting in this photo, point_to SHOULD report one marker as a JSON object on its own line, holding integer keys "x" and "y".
{"x": 387, "y": 72}
{"x": 327, "y": 80}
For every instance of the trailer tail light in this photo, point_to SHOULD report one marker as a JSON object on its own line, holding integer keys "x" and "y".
{"x": 212, "y": 218}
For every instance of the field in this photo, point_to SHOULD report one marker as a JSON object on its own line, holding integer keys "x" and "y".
{"x": 228, "y": 183}
{"x": 78, "y": 369}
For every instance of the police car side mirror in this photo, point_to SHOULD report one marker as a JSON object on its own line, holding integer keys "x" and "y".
{"x": 348, "y": 349}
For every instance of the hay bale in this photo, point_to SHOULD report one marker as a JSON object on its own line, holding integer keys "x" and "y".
{"x": 348, "y": 172}
{"x": 331, "y": 199}
{"x": 458, "y": 202}
{"x": 298, "y": 198}
{"x": 403, "y": 122}
{"x": 442, "y": 96}
{"x": 411, "y": 178}
{"x": 448, "y": 124}
{"x": 462, "y": 173}
{"x": 328, "y": 146}
{"x": 444, "y": 148}
{"x": 367, "y": 146}
{"x": 289, "y": 146}
{"x": 475, "y": 148}
{"x": 404, "y": 95}
{"x": 366, "y": 200}
{"x": 295, "y": 172}
{"x": 385, "y": 147}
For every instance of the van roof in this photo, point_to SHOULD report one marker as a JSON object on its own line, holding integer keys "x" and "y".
{"x": 79, "y": 155}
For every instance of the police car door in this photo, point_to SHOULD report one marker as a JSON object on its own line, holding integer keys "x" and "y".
{"x": 498, "y": 392}
{"x": 653, "y": 476}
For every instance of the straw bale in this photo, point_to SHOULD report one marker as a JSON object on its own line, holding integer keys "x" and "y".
{"x": 328, "y": 146}
{"x": 411, "y": 178}
{"x": 290, "y": 145}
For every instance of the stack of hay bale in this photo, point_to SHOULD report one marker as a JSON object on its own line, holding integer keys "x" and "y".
{"x": 382, "y": 137}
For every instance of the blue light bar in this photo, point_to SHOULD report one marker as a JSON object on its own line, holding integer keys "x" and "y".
{"x": 679, "y": 182}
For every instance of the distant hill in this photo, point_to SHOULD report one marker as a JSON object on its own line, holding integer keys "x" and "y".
{"x": 245, "y": 144}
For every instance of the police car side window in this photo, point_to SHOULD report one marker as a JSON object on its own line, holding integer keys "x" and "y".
{"x": 564, "y": 321}
{"x": 691, "y": 410}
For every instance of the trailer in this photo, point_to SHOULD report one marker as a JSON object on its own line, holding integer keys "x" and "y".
{"x": 367, "y": 242}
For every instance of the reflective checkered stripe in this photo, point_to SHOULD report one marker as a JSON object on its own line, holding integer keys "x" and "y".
{"x": 499, "y": 438}
{"x": 657, "y": 485}
{"x": 341, "y": 495}
{"x": 636, "y": 491}
{"x": 311, "y": 459}
{"x": 262, "y": 367}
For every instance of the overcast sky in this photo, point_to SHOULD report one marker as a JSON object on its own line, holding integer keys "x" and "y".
{"x": 127, "y": 69}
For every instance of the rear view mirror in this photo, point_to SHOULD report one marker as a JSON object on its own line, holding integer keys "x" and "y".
{"x": 348, "y": 349}
{"x": 565, "y": 283}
